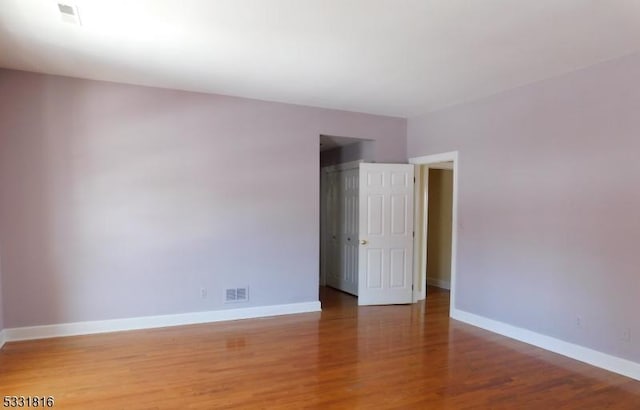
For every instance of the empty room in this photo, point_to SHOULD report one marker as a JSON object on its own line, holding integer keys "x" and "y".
{"x": 407, "y": 204}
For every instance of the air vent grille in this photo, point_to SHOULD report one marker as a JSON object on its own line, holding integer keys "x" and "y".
{"x": 69, "y": 13}
{"x": 233, "y": 295}
{"x": 66, "y": 9}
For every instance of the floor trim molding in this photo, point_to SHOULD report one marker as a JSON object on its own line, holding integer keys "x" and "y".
{"x": 593, "y": 357}
{"x": 2, "y": 338}
{"x": 148, "y": 322}
{"x": 439, "y": 283}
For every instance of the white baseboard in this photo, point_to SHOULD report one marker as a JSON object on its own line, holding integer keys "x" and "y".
{"x": 577, "y": 352}
{"x": 148, "y": 322}
{"x": 439, "y": 283}
{"x": 2, "y": 340}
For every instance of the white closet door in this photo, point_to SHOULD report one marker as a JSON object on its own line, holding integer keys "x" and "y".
{"x": 386, "y": 234}
{"x": 349, "y": 231}
{"x": 342, "y": 230}
{"x": 332, "y": 224}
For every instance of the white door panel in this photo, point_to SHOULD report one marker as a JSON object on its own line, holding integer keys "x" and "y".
{"x": 343, "y": 227}
{"x": 349, "y": 239}
{"x": 386, "y": 234}
{"x": 333, "y": 220}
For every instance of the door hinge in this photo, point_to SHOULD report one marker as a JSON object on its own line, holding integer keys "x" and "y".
{"x": 411, "y": 287}
{"x": 414, "y": 234}
{"x": 414, "y": 180}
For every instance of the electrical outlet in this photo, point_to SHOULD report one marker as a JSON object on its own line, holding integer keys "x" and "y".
{"x": 626, "y": 335}
{"x": 203, "y": 293}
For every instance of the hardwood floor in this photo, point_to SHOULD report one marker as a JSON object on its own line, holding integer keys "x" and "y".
{"x": 345, "y": 357}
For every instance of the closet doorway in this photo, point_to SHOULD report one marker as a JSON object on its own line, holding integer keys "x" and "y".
{"x": 367, "y": 231}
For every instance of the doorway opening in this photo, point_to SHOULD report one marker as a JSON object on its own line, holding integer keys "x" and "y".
{"x": 339, "y": 161}
{"x": 436, "y": 204}
{"x": 367, "y": 228}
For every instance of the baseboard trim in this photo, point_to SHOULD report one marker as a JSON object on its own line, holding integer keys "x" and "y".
{"x": 439, "y": 283}
{"x": 593, "y": 357}
{"x": 149, "y": 322}
{"x": 2, "y": 338}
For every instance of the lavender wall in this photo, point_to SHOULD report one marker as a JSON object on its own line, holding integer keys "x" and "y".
{"x": 1, "y": 308}
{"x": 549, "y": 204}
{"x": 121, "y": 201}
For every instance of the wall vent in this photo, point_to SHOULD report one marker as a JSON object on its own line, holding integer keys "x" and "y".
{"x": 233, "y": 295}
{"x": 69, "y": 13}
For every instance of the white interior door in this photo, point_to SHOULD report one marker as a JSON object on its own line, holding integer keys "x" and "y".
{"x": 386, "y": 234}
{"x": 349, "y": 234}
{"x": 332, "y": 231}
{"x": 342, "y": 230}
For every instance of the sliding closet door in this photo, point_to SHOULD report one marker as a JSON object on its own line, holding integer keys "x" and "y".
{"x": 332, "y": 231}
{"x": 349, "y": 231}
{"x": 342, "y": 230}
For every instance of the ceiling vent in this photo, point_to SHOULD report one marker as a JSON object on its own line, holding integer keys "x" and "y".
{"x": 69, "y": 13}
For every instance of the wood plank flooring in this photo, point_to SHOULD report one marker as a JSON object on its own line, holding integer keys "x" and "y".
{"x": 346, "y": 357}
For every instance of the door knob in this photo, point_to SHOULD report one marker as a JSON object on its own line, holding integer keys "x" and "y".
{"x": 363, "y": 241}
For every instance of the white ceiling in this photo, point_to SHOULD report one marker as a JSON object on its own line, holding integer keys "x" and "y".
{"x": 393, "y": 57}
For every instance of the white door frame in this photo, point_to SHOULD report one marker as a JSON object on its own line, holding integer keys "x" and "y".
{"x": 451, "y": 156}
{"x": 420, "y": 231}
